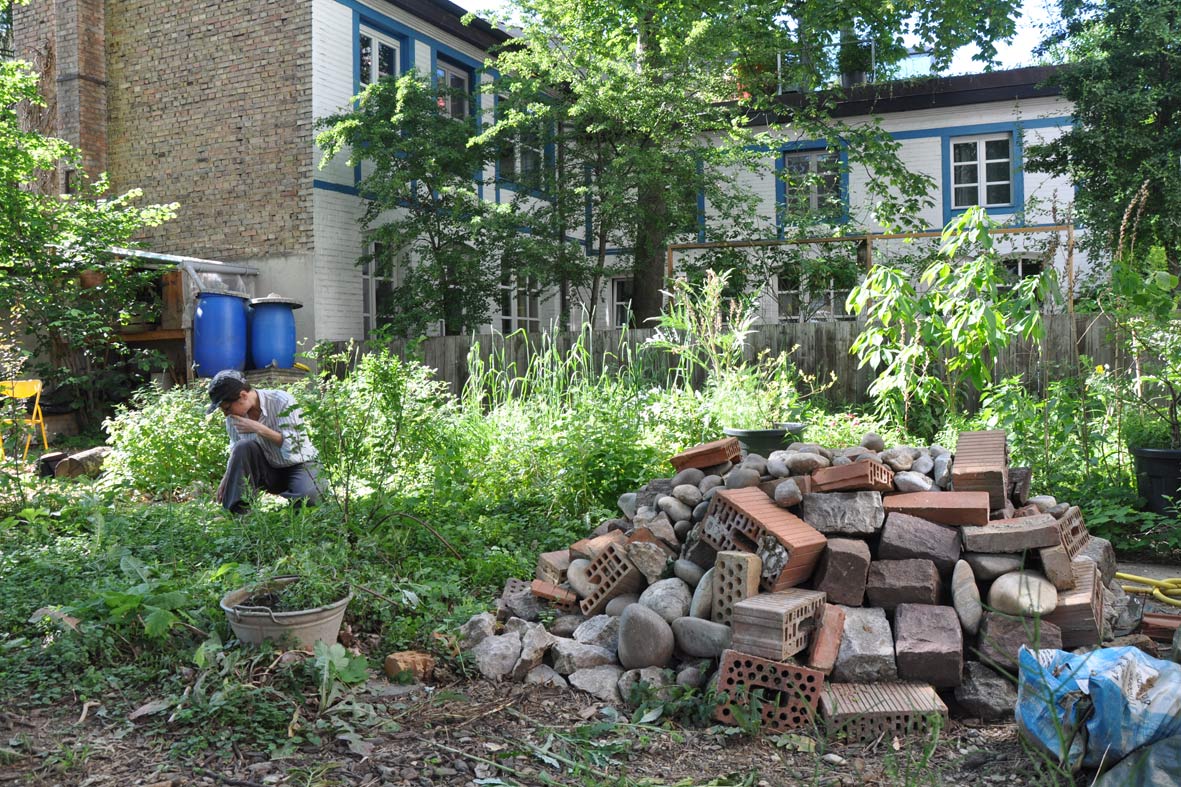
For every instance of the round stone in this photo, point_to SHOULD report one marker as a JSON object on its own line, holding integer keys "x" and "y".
{"x": 987, "y": 566}
{"x": 616, "y": 605}
{"x": 1043, "y": 502}
{"x": 777, "y": 464}
{"x": 804, "y": 464}
{"x": 709, "y": 482}
{"x": 873, "y": 442}
{"x": 965, "y": 597}
{"x": 787, "y": 493}
{"x": 645, "y": 638}
{"x": 701, "y": 638}
{"x": 578, "y": 578}
{"x": 668, "y": 598}
{"x": 912, "y": 481}
{"x": 675, "y": 509}
{"x": 688, "y": 571}
{"x": 755, "y": 462}
{"x": 742, "y": 477}
{"x": 702, "y": 603}
{"x": 688, "y": 494}
{"x": 1023, "y": 593}
{"x": 841, "y": 461}
{"x": 925, "y": 464}
{"x": 690, "y": 475}
{"x": 627, "y": 504}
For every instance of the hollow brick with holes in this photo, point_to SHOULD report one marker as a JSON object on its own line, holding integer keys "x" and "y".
{"x": 786, "y": 694}
{"x": 982, "y": 464}
{"x": 736, "y": 577}
{"x": 614, "y": 576}
{"x": 863, "y": 712}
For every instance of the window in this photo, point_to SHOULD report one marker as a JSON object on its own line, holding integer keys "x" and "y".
{"x": 521, "y": 159}
{"x": 453, "y": 90}
{"x": 520, "y": 307}
{"x": 982, "y": 171}
{"x": 813, "y": 183}
{"x": 379, "y": 56}
{"x": 816, "y": 289}
{"x": 622, "y": 290}
{"x": 379, "y": 277}
{"x": 1021, "y": 266}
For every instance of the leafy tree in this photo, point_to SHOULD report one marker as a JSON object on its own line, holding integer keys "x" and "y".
{"x": 47, "y": 240}
{"x": 661, "y": 91}
{"x": 423, "y": 202}
{"x": 1124, "y": 146}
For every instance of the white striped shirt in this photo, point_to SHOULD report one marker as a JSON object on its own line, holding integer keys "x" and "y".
{"x": 279, "y": 412}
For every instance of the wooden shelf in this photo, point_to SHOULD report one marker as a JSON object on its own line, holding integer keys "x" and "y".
{"x": 158, "y": 335}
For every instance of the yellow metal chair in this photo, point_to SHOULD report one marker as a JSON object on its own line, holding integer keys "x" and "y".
{"x": 23, "y": 390}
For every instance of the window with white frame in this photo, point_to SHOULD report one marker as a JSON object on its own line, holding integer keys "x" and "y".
{"x": 813, "y": 183}
{"x": 521, "y": 158}
{"x": 1020, "y": 266}
{"x": 982, "y": 171}
{"x": 453, "y": 83}
{"x": 380, "y": 275}
{"x": 816, "y": 289}
{"x": 379, "y": 56}
{"x": 520, "y": 303}
{"x": 622, "y": 290}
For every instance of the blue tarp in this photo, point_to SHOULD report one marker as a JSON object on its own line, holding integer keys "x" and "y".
{"x": 1097, "y": 708}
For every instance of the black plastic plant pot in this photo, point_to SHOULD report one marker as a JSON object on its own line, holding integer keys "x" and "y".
{"x": 764, "y": 441}
{"x": 1158, "y": 478}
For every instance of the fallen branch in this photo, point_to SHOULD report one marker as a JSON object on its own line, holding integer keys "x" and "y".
{"x": 477, "y": 758}
{"x": 221, "y": 777}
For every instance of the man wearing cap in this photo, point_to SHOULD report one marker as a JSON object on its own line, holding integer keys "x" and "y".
{"x": 268, "y": 446}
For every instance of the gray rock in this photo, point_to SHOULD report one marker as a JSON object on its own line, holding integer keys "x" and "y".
{"x": 655, "y": 681}
{"x": 545, "y": 675}
{"x": 565, "y": 625}
{"x": 651, "y": 559}
{"x": 925, "y": 464}
{"x": 522, "y": 603}
{"x": 699, "y": 511}
{"x": 787, "y": 493}
{"x": 1059, "y": 510}
{"x": 811, "y": 448}
{"x": 696, "y": 550}
{"x": 777, "y": 464}
{"x": 535, "y": 643}
{"x": 742, "y": 477}
{"x": 692, "y": 677}
{"x": 476, "y": 629}
{"x": 754, "y": 462}
{"x": 853, "y": 452}
{"x": 497, "y": 655}
{"x": 905, "y": 536}
{"x": 681, "y": 529}
{"x": 986, "y": 694}
{"x": 701, "y": 638}
{"x": 664, "y": 530}
{"x": 569, "y": 655}
{"x": 1100, "y": 552}
{"x": 690, "y": 475}
{"x": 517, "y": 625}
{"x": 840, "y": 461}
{"x": 899, "y": 459}
{"x": 866, "y": 654}
{"x": 709, "y": 482}
{"x": 937, "y": 450}
{"x": 688, "y": 494}
{"x": 601, "y": 681}
{"x": 579, "y": 579}
{"x": 941, "y": 471}
{"x": 894, "y": 582}
{"x": 688, "y": 572}
{"x": 668, "y": 598}
{"x": 1122, "y": 612}
{"x": 1043, "y": 502}
{"x": 988, "y": 566}
{"x": 913, "y": 481}
{"x": 871, "y": 441}
{"x": 965, "y": 597}
{"x": 1023, "y": 593}
{"x": 627, "y": 504}
{"x": 844, "y": 513}
{"x": 675, "y": 509}
{"x": 702, "y": 603}
{"x": 616, "y": 605}
{"x": 803, "y": 463}
{"x": 601, "y": 631}
{"x": 1002, "y": 636}
{"x": 653, "y": 491}
{"x": 645, "y": 638}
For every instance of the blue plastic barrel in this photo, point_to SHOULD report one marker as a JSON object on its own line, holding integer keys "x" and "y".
{"x": 272, "y": 332}
{"x": 219, "y": 333}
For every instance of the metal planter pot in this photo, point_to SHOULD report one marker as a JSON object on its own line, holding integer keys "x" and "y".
{"x": 302, "y": 628}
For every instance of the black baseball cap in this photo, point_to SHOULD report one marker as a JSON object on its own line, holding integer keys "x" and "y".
{"x": 225, "y": 387}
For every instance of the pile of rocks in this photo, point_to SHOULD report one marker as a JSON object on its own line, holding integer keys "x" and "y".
{"x": 872, "y": 585}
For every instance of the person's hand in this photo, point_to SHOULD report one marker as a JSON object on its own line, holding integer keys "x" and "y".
{"x": 245, "y": 425}
{"x": 220, "y": 494}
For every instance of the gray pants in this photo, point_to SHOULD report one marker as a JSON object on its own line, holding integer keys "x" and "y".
{"x": 249, "y": 463}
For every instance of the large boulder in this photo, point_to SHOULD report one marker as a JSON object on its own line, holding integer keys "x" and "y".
{"x": 645, "y": 638}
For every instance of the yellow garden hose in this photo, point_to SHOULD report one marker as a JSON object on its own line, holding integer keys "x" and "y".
{"x": 1166, "y": 591}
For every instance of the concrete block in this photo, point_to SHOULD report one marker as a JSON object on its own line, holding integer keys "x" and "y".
{"x": 1013, "y": 535}
{"x": 928, "y": 644}
{"x": 905, "y": 536}
{"x": 866, "y": 653}
{"x": 1001, "y": 637}
{"x": 844, "y": 513}
{"x": 842, "y": 571}
{"x": 894, "y": 582}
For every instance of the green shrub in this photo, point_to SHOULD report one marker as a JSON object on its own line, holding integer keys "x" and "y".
{"x": 164, "y": 442}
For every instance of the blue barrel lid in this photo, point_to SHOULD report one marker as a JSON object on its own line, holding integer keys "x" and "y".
{"x": 275, "y": 297}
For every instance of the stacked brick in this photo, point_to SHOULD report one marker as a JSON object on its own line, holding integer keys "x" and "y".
{"x": 857, "y": 588}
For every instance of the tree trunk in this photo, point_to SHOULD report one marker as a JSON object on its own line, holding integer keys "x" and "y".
{"x": 650, "y": 250}
{"x": 88, "y": 463}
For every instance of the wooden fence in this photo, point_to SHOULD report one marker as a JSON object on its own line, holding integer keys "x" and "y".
{"x": 821, "y": 348}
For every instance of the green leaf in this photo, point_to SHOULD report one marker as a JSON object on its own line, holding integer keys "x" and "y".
{"x": 158, "y": 622}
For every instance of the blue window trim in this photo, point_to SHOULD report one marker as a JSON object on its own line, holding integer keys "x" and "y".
{"x": 806, "y": 146}
{"x": 701, "y": 202}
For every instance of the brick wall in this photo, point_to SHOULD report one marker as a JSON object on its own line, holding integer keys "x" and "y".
{"x": 210, "y": 106}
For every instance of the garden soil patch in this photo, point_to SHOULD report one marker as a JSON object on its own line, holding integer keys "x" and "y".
{"x": 457, "y": 733}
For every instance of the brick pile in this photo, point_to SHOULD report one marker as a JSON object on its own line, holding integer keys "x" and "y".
{"x": 862, "y": 587}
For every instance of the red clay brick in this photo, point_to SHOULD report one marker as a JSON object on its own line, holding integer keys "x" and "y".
{"x": 789, "y": 694}
{"x": 826, "y": 640}
{"x": 982, "y": 464}
{"x": 946, "y": 508}
{"x": 708, "y": 454}
{"x": 856, "y": 477}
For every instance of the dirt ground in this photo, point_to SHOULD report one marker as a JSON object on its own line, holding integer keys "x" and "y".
{"x": 474, "y": 733}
